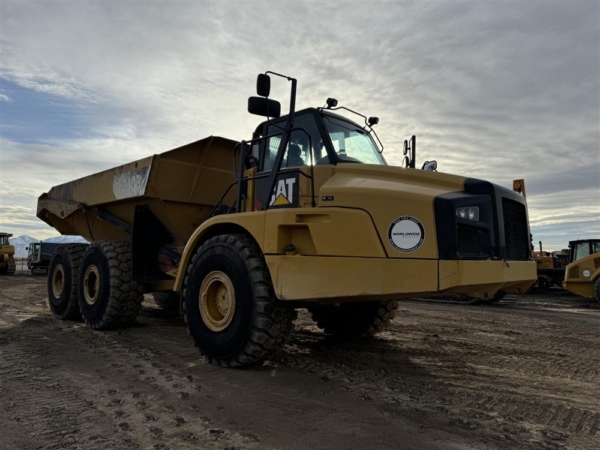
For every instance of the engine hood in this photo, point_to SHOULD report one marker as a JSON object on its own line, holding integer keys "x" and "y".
{"x": 393, "y": 195}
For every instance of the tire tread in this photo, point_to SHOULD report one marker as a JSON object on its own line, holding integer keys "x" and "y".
{"x": 272, "y": 322}
{"x": 362, "y": 319}
{"x": 125, "y": 294}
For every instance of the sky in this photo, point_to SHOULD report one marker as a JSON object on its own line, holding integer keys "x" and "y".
{"x": 497, "y": 90}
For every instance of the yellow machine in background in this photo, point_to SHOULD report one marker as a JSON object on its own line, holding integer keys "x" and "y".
{"x": 550, "y": 269}
{"x": 7, "y": 255}
{"x": 307, "y": 214}
{"x": 583, "y": 272}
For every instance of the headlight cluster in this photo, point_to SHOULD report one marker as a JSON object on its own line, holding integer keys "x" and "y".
{"x": 468, "y": 213}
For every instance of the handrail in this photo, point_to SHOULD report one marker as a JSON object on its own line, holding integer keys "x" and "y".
{"x": 220, "y": 202}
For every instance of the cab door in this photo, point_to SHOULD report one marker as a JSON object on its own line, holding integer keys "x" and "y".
{"x": 305, "y": 157}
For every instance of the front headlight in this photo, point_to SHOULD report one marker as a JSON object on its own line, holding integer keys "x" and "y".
{"x": 468, "y": 213}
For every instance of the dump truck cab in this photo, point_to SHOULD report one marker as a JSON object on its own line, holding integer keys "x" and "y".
{"x": 7, "y": 255}
{"x": 319, "y": 141}
{"x": 583, "y": 272}
{"x": 582, "y": 248}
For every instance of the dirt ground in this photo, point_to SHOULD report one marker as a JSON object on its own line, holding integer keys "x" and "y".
{"x": 521, "y": 374}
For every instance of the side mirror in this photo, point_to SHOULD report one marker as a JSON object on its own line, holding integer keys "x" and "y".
{"x": 263, "y": 85}
{"x": 373, "y": 121}
{"x": 410, "y": 153}
{"x": 264, "y": 107}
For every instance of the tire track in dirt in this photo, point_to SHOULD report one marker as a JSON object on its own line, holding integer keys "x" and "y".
{"x": 546, "y": 395}
{"x": 499, "y": 377}
{"x": 139, "y": 418}
{"x": 39, "y": 407}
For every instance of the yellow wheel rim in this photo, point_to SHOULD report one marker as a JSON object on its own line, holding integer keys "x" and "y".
{"x": 58, "y": 281}
{"x": 217, "y": 301}
{"x": 91, "y": 284}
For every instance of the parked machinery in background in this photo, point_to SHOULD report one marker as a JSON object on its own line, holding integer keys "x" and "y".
{"x": 39, "y": 256}
{"x": 7, "y": 255}
{"x": 550, "y": 269}
{"x": 583, "y": 272}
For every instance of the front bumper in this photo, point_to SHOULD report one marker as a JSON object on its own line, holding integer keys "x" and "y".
{"x": 582, "y": 289}
{"x": 344, "y": 279}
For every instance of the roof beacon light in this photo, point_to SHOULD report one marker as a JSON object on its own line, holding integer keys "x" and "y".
{"x": 331, "y": 103}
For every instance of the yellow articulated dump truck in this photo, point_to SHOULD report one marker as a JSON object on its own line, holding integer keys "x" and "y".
{"x": 305, "y": 214}
{"x": 582, "y": 275}
{"x": 7, "y": 255}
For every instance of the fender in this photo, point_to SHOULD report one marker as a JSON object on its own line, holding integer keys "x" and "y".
{"x": 251, "y": 223}
{"x": 330, "y": 231}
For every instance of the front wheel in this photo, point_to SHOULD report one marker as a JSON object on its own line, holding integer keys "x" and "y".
{"x": 230, "y": 307}
{"x": 598, "y": 290}
{"x": 354, "y": 319}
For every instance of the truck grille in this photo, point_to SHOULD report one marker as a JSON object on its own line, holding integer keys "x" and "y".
{"x": 516, "y": 238}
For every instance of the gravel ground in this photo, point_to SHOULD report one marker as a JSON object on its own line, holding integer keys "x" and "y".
{"x": 524, "y": 373}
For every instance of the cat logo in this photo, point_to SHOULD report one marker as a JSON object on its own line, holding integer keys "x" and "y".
{"x": 284, "y": 192}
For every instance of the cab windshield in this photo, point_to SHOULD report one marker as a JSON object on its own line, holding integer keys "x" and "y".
{"x": 583, "y": 249}
{"x": 351, "y": 143}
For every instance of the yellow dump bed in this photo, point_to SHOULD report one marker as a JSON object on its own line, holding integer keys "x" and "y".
{"x": 181, "y": 187}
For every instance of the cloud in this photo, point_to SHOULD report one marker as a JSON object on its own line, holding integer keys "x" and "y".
{"x": 493, "y": 90}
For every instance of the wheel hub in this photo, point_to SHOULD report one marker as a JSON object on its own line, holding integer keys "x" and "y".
{"x": 217, "y": 301}
{"x": 91, "y": 284}
{"x": 58, "y": 281}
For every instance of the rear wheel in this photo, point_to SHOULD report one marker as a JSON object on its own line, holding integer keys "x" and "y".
{"x": 354, "y": 319}
{"x": 230, "y": 307}
{"x": 108, "y": 296}
{"x": 598, "y": 290}
{"x": 62, "y": 281}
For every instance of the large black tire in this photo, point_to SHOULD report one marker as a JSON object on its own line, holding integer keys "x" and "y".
{"x": 62, "y": 281}
{"x": 108, "y": 296}
{"x": 598, "y": 290}
{"x": 169, "y": 301}
{"x": 255, "y": 324}
{"x": 354, "y": 319}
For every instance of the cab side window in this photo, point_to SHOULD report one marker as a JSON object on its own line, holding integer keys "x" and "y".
{"x": 298, "y": 151}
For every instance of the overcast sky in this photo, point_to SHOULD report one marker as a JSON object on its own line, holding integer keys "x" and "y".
{"x": 495, "y": 90}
